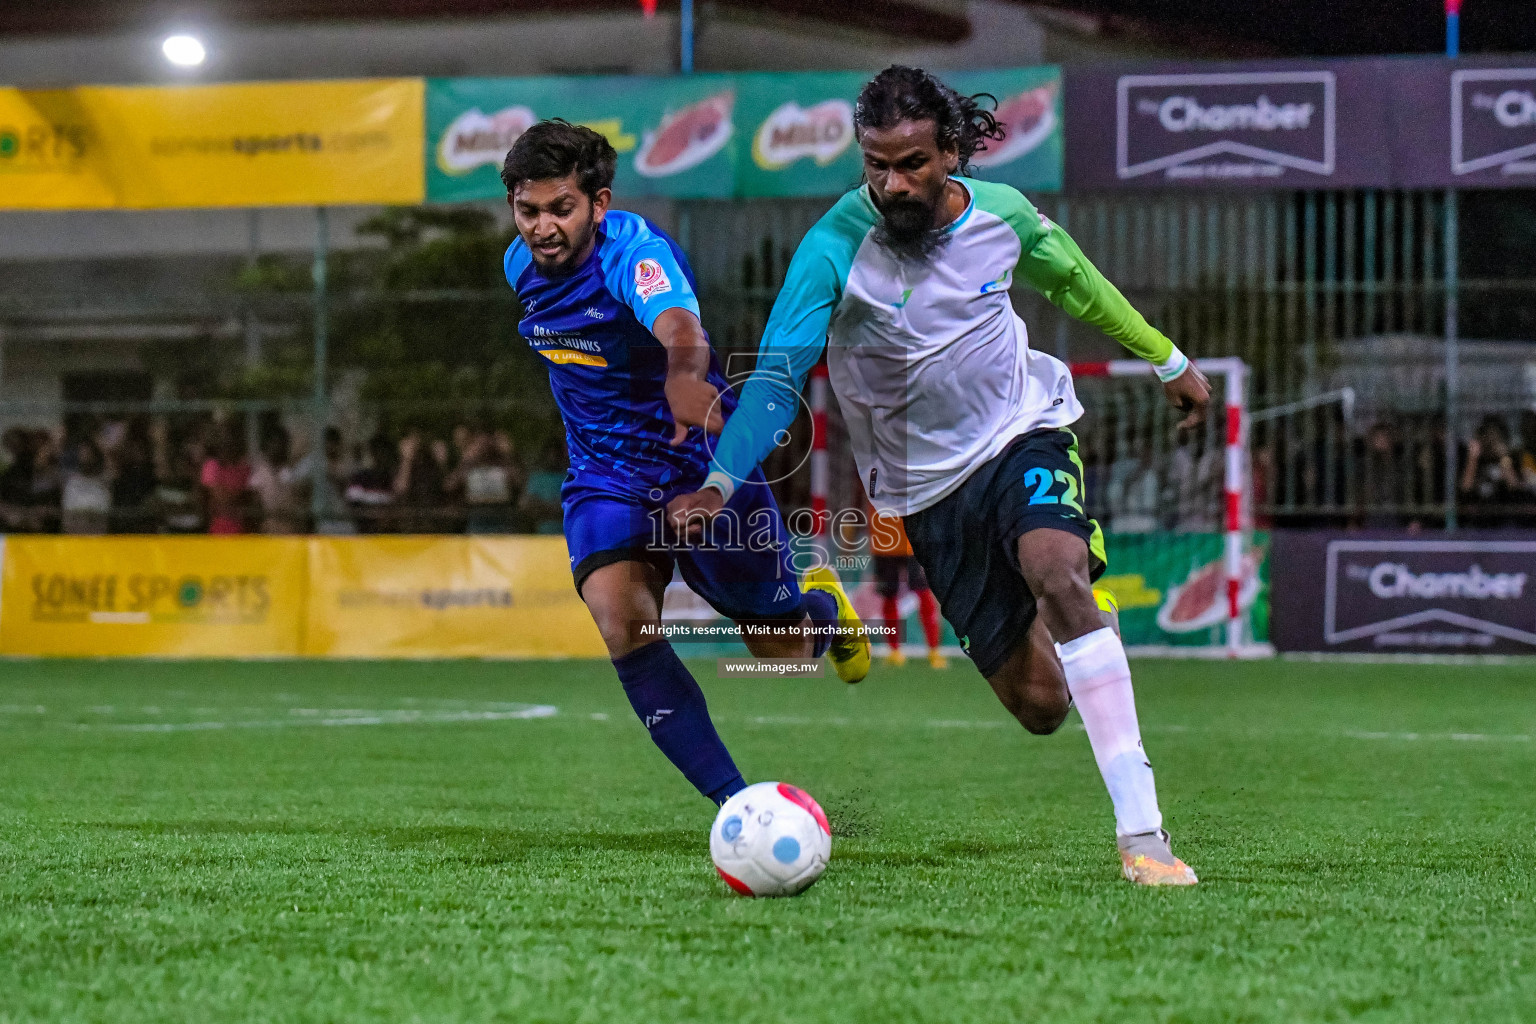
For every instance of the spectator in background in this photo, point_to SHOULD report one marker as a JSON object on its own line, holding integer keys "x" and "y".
{"x": 1525, "y": 458}
{"x": 1195, "y": 481}
{"x": 86, "y": 501}
{"x": 1133, "y": 490}
{"x": 133, "y": 482}
{"x": 226, "y": 480}
{"x": 178, "y": 499}
{"x": 334, "y": 515}
{"x": 1489, "y": 482}
{"x": 178, "y": 496}
{"x": 16, "y": 481}
{"x": 371, "y": 489}
{"x": 491, "y": 480}
{"x": 541, "y": 497}
{"x": 418, "y": 484}
{"x": 277, "y": 485}
{"x": 47, "y": 483}
{"x": 1382, "y": 488}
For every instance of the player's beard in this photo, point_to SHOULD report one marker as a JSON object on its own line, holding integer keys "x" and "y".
{"x": 576, "y": 246}
{"x": 906, "y": 228}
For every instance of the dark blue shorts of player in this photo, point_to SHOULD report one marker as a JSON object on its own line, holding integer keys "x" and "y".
{"x": 968, "y": 543}
{"x": 745, "y": 571}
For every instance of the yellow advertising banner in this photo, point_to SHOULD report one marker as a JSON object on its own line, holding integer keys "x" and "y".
{"x": 51, "y": 153}
{"x": 165, "y": 596}
{"x": 251, "y": 144}
{"x": 445, "y": 597}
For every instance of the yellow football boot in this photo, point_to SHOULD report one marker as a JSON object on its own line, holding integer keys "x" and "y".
{"x": 895, "y": 658}
{"x": 1147, "y": 859}
{"x": 936, "y": 659}
{"x": 850, "y": 654}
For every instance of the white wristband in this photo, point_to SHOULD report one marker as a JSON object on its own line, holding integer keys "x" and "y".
{"x": 721, "y": 482}
{"x": 1177, "y": 363}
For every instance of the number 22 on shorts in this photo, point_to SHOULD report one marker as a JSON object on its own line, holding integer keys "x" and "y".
{"x": 1042, "y": 480}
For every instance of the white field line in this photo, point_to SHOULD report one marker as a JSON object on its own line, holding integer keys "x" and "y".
{"x": 309, "y": 717}
{"x": 342, "y": 717}
{"x": 1369, "y": 658}
{"x": 1077, "y": 726}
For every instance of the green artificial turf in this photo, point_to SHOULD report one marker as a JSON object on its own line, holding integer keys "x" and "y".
{"x": 358, "y": 841}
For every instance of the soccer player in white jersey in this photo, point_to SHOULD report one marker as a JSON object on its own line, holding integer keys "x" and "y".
{"x": 959, "y": 426}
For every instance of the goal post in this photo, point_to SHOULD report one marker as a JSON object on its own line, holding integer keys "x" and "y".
{"x": 1230, "y": 374}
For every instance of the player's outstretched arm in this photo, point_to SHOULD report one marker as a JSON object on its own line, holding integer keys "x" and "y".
{"x": 691, "y": 397}
{"x": 793, "y": 341}
{"x": 1059, "y": 270}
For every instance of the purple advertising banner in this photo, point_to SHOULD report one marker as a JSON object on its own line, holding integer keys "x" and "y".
{"x": 1403, "y": 594}
{"x": 1279, "y": 124}
{"x": 1461, "y": 124}
{"x": 1421, "y": 122}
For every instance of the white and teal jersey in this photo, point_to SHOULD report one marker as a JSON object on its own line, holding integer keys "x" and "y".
{"x": 930, "y": 364}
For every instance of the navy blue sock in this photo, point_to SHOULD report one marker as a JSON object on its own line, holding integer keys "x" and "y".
{"x": 671, "y": 706}
{"x": 822, "y": 608}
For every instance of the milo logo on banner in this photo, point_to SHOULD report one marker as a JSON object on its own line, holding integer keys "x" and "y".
{"x": 473, "y": 138}
{"x": 1493, "y": 121}
{"x": 791, "y": 132}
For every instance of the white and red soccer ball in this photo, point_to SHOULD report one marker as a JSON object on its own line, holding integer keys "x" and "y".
{"x": 770, "y": 839}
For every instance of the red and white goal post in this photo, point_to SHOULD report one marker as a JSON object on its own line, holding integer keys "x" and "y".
{"x": 1229, "y": 375}
{"x": 1229, "y": 382}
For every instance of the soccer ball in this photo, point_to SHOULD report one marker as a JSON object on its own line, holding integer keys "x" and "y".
{"x": 770, "y": 839}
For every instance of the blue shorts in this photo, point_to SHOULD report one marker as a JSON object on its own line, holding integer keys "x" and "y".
{"x": 744, "y": 570}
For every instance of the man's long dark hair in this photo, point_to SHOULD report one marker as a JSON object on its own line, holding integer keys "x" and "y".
{"x": 556, "y": 148}
{"x": 900, "y": 93}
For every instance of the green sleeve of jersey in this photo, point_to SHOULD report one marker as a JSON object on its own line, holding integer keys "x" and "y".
{"x": 1053, "y": 264}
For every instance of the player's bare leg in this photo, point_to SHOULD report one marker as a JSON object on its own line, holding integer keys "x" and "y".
{"x": 1055, "y": 566}
{"x": 1031, "y": 683}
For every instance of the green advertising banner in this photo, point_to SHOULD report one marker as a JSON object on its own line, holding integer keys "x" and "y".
{"x": 1029, "y": 106}
{"x": 797, "y": 134}
{"x": 672, "y": 134}
{"x": 1172, "y": 588}
{"x": 719, "y": 136}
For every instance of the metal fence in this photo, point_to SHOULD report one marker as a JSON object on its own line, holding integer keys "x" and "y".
{"x": 1335, "y": 300}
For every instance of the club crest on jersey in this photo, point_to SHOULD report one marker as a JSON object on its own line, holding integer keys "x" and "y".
{"x": 650, "y": 279}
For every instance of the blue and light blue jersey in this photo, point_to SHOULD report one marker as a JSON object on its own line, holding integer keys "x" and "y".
{"x": 606, "y": 369}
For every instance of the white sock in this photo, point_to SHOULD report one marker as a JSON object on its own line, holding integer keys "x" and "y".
{"x": 1099, "y": 679}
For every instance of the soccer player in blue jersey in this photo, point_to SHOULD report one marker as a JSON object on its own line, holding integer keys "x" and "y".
{"x": 609, "y": 303}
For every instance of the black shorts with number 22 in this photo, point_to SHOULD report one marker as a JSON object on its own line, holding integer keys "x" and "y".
{"x": 968, "y": 543}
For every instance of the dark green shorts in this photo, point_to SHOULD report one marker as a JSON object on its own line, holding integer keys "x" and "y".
{"x": 968, "y": 543}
